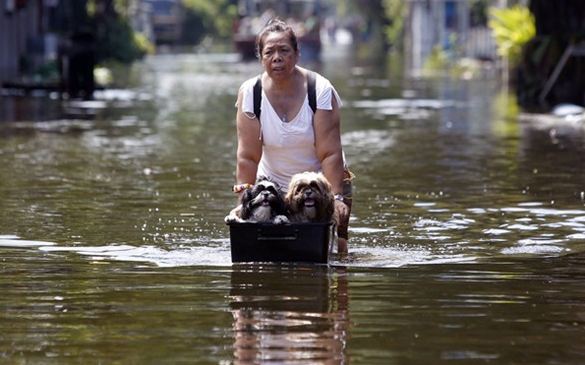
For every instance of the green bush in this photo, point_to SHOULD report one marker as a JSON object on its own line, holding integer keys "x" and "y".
{"x": 513, "y": 28}
{"x": 209, "y": 17}
{"x": 143, "y": 43}
{"x": 117, "y": 42}
{"x": 396, "y": 14}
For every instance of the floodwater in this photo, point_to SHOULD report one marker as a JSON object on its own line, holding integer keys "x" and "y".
{"x": 467, "y": 235}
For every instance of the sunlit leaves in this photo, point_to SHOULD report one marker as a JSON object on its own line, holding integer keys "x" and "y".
{"x": 396, "y": 13}
{"x": 219, "y": 13}
{"x": 512, "y": 27}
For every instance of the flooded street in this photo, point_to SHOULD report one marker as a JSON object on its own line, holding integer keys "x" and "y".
{"x": 467, "y": 235}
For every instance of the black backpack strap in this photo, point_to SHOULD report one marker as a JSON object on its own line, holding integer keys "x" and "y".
{"x": 311, "y": 91}
{"x": 257, "y": 97}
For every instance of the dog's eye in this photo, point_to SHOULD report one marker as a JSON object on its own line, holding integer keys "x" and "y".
{"x": 271, "y": 189}
{"x": 314, "y": 186}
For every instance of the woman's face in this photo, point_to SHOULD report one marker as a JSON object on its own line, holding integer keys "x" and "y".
{"x": 278, "y": 56}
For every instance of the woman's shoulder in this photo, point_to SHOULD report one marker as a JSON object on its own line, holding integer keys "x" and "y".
{"x": 318, "y": 76}
{"x": 324, "y": 90}
{"x": 321, "y": 82}
{"x": 248, "y": 85}
{"x": 245, "y": 95}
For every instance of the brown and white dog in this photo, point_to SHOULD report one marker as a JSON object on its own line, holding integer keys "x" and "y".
{"x": 309, "y": 198}
{"x": 264, "y": 202}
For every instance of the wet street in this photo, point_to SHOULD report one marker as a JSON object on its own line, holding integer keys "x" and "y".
{"x": 467, "y": 235}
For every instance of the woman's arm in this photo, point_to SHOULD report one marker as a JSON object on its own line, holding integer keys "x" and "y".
{"x": 249, "y": 146}
{"x": 328, "y": 145}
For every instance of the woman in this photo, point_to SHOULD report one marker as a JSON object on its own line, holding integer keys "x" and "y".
{"x": 289, "y": 138}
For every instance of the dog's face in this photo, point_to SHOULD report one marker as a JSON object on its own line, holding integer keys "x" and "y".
{"x": 309, "y": 198}
{"x": 263, "y": 202}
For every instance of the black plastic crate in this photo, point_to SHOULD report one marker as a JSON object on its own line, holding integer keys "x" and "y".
{"x": 294, "y": 242}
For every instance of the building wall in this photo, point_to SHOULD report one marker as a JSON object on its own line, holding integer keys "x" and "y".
{"x": 16, "y": 30}
{"x": 166, "y": 17}
{"x": 444, "y": 24}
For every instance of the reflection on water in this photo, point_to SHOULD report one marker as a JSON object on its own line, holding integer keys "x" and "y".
{"x": 467, "y": 233}
{"x": 289, "y": 314}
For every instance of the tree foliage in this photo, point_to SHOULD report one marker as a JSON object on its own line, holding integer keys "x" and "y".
{"x": 115, "y": 38}
{"x": 117, "y": 42}
{"x": 396, "y": 13}
{"x": 210, "y": 17}
{"x": 513, "y": 28}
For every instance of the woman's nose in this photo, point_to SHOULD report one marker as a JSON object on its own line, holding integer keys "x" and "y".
{"x": 277, "y": 56}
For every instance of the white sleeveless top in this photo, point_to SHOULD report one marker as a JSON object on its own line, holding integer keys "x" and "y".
{"x": 288, "y": 148}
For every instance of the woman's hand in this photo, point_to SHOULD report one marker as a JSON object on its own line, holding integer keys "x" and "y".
{"x": 326, "y": 124}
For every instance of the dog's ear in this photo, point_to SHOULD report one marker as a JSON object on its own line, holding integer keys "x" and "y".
{"x": 289, "y": 198}
{"x": 289, "y": 194}
{"x": 329, "y": 206}
{"x": 245, "y": 200}
{"x": 262, "y": 178}
{"x": 292, "y": 186}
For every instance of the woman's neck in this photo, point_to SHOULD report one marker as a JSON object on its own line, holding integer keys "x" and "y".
{"x": 285, "y": 85}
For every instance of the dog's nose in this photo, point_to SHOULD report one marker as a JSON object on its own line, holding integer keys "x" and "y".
{"x": 308, "y": 192}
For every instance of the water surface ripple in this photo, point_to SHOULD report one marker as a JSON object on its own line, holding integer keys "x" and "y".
{"x": 467, "y": 233}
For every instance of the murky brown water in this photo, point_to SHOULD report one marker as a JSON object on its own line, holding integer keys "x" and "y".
{"x": 468, "y": 230}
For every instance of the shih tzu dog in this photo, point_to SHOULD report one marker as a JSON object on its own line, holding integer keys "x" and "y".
{"x": 310, "y": 199}
{"x": 264, "y": 202}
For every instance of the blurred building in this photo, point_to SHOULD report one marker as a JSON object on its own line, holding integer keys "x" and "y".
{"x": 447, "y": 26}
{"x": 25, "y": 40}
{"x": 166, "y": 17}
{"x": 140, "y": 16}
{"x": 52, "y": 44}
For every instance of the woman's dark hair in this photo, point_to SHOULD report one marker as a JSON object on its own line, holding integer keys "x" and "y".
{"x": 275, "y": 25}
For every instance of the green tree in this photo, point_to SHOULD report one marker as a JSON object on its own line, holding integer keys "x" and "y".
{"x": 115, "y": 39}
{"x": 209, "y": 17}
{"x": 513, "y": 28}
{"x": 395, "y": 11}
